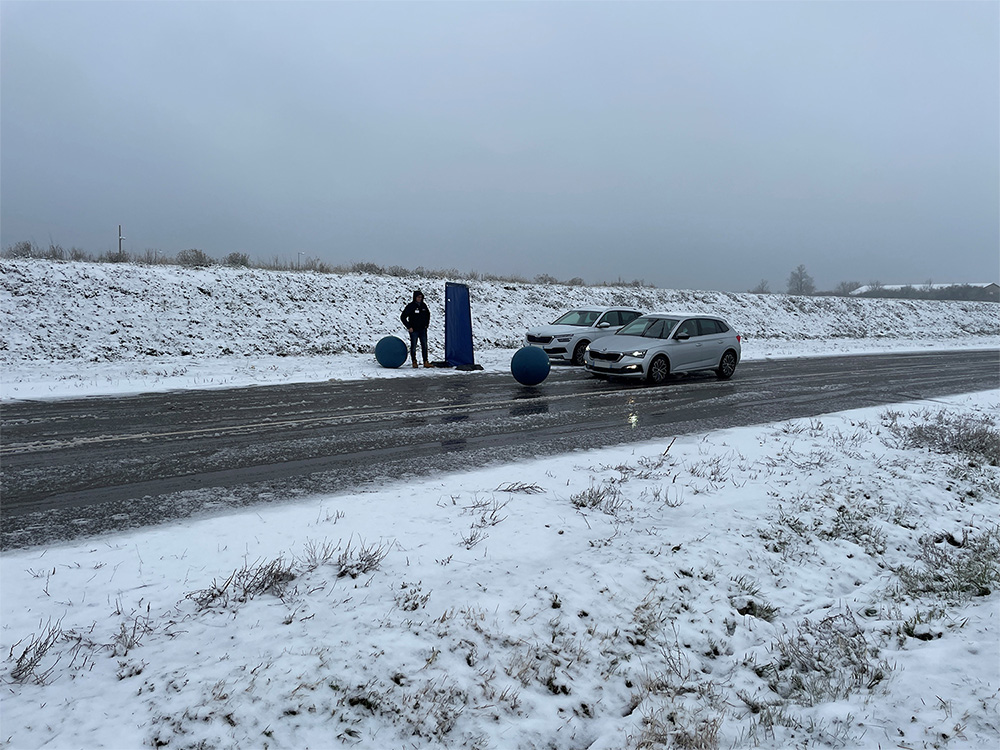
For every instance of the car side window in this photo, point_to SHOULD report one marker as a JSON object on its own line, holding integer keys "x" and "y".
{"x": 611, "y": 317}
{"x": 708, "y": 327}
{"x": 627, "y": 316}
{"x": 690, "y": 327}
{"x": 656, "y": 330}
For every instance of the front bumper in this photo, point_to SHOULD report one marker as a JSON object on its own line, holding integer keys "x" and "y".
{"x": 555, "y": 351}
{"x": 627, "y": 369}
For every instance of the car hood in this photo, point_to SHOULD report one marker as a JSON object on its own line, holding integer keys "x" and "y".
{"x": 551, "y": 330}
{"x": 618, "y": 343}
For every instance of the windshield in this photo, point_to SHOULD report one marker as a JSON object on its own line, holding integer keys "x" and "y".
{"x": 648, "y": 327}
{"x": 577, "y": 318}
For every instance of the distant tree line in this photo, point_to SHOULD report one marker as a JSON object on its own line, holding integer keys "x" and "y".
{"x": 951, "y": 292}
{"x": 801, "y": 283}
{"x": 195, "y": 258}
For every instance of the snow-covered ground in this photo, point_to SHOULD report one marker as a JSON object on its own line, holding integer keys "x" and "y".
{"x": 80, "y": 329}
{"x": 828, "y": 582}
{"x": 818, "y": 583}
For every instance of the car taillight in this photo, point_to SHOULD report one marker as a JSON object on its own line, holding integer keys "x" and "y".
{"x": 739, "y": 339}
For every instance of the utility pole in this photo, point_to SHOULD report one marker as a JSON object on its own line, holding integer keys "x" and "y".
{"x": 120, "y": 238}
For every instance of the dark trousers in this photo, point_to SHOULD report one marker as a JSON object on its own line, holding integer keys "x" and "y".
{"x": 414, "y": 335}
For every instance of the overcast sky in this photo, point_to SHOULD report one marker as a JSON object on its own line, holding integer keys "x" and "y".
{"x": 691, "y": 145}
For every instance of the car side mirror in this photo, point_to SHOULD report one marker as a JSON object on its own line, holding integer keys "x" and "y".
{"x": 682, "y": 336}
{"x": 604, "y": 324}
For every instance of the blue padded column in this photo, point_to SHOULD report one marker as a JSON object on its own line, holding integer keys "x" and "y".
{"x": 457, "y": 325}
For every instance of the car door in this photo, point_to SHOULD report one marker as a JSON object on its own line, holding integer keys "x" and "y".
{"x": 684, "y": 346}
{"x": 712, "y": 342}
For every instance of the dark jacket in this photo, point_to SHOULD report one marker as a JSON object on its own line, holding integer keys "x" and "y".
{"x": 416, "y": 315}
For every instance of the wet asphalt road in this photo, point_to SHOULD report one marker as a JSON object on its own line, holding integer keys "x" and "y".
{"x": 78, "y": 468}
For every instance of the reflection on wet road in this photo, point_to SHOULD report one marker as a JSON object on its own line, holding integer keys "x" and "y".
{"x": 73, "y": 468}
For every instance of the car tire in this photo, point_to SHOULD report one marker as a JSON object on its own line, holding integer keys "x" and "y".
{"x": 659, "y": 369}
{"x": 727, "y": 365}
{"x": 579, "y": 353}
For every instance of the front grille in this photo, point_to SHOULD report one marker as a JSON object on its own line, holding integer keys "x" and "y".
{"x": 606, "y": 356}
{"x": 539, "y": 339}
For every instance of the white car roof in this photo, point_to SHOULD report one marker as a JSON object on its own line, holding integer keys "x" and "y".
{"x": 682, "y": 315}
{"x": 589, "y": 308}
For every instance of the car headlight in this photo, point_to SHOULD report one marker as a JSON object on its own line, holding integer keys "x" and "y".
{"x": 638, "y": 353}
{"x": 563, "y": 339}
{"x": 587, "y": 348}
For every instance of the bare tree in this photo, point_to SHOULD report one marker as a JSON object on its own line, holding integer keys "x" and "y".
{"x": 844, "y": 288}
{"x": 762, "y": 288}
{"x": 237, "y": 259}
{"x": 800, "y": 282}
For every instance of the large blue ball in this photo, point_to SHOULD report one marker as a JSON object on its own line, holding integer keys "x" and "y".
{"x": 529, "y": 365}
{"x": 390, "y": 351}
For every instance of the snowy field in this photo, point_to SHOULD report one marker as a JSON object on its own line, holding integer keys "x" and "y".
{"x": 828, "y": 582}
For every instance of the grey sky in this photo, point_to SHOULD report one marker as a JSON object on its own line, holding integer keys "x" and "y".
{"x": 692, "y": 145}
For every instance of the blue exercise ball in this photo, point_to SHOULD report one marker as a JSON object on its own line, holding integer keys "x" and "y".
{"x": 529, "y": 365}
{"x": 390, "y": 351}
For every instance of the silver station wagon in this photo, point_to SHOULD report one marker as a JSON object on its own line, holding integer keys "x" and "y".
{"x": 658, "y": 344}
{"x": 566, "y": 337}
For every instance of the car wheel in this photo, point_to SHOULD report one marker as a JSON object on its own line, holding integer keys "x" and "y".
{"x": 579, "y": 353}
{"x": 727, "y": 365}
{"x": 659, "y": 369}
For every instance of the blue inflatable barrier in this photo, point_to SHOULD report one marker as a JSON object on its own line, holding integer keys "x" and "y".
{"x": 529, "y": 365}
{"x": 390, "y": 351}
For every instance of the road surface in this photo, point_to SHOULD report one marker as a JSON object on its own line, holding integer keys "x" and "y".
{"x": 72, "y": 468}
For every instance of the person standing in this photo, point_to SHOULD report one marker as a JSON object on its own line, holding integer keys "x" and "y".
{"x": 417, "y": 317}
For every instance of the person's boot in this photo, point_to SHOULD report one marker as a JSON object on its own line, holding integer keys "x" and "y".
{"x": 414, "y": 363}
{"x": 426, "y": 363}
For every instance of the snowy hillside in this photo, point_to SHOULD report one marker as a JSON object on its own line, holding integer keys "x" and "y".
{"x": 106, "y": 312}
{"x": 80, "y": 329}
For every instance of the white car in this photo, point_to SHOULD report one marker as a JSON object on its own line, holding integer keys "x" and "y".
{"x": 658, "y": 344}
{"x": 567, "y": 337}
